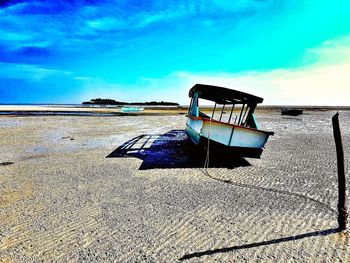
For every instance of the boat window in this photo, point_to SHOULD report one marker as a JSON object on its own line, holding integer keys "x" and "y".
{"x": 231, "y": 113}
{"x": 242, "y": 114}
{"x": 194, "y": 108}
{"x": 219, "y": 113}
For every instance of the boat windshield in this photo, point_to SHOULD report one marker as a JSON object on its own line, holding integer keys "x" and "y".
{"x": 237, "y": 114}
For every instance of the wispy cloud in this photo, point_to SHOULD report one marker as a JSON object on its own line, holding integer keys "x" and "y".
{"x": 60, "y": 22}
{"x": 330, "y": 52}
{"x": 324, "y": 81}
{"x": 29, "y": 72}
{"x": 106, "y": 23}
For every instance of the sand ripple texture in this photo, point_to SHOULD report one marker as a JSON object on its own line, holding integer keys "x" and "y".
{"x": 63, "y": 200}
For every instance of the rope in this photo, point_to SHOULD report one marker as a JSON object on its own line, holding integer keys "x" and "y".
{"x": 346, "y": 166}
{"x": 277, "y": 191}
{"x": 206, "y": 163}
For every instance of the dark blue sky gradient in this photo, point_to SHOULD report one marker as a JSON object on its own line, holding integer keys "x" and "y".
{"x": 67, "y": 51}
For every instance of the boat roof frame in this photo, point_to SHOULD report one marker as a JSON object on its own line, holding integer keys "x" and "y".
{"x": 223, "y": 95}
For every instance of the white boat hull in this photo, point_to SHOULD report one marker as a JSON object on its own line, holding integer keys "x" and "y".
{"x": 233, "y": 136}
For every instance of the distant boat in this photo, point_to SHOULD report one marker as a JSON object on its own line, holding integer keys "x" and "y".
{"x": 132, "y": 109}
{"x": 291, "y": 112}
{"x": 239, "y": 135}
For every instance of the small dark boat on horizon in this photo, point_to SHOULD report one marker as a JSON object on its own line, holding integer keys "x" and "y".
{"x": 292, "y": 112}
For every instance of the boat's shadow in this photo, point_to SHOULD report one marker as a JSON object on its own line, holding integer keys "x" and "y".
{"x": 173, "y": 150}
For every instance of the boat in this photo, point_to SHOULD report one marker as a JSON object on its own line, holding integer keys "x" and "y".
{"x": 237, "y": 133}
{"x": 291, "y": 112}
{"x": 132, "y": 109}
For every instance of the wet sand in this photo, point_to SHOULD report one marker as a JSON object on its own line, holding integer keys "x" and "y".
{"x": 69, "y": 192}
{"x": 94, "y": 110}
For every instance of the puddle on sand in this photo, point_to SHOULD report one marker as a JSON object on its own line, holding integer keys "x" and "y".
{"x": 40, "y": 149}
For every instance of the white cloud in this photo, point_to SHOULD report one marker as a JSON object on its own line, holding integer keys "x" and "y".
{"x": 320, "y": 85}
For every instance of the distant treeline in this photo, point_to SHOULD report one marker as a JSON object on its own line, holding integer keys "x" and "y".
{"x": 114, "y": 102}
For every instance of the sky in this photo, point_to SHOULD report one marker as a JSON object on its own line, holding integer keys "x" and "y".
{"x": 290, "y": 52}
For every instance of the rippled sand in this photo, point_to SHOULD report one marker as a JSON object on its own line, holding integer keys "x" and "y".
{"x": 63, "y": 200}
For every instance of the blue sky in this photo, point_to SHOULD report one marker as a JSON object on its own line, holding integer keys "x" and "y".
{"x": 289, "y": 52}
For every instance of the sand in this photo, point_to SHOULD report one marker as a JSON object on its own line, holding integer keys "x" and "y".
{"x": 62, "y": 200}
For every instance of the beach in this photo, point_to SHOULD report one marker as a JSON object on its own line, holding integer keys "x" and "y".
{"x": 130, "y": 189}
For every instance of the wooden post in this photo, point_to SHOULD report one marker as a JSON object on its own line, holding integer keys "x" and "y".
{"x": 342, "y": 196}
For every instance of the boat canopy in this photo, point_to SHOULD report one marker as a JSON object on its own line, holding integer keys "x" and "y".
{"x": 223, "y": 95}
